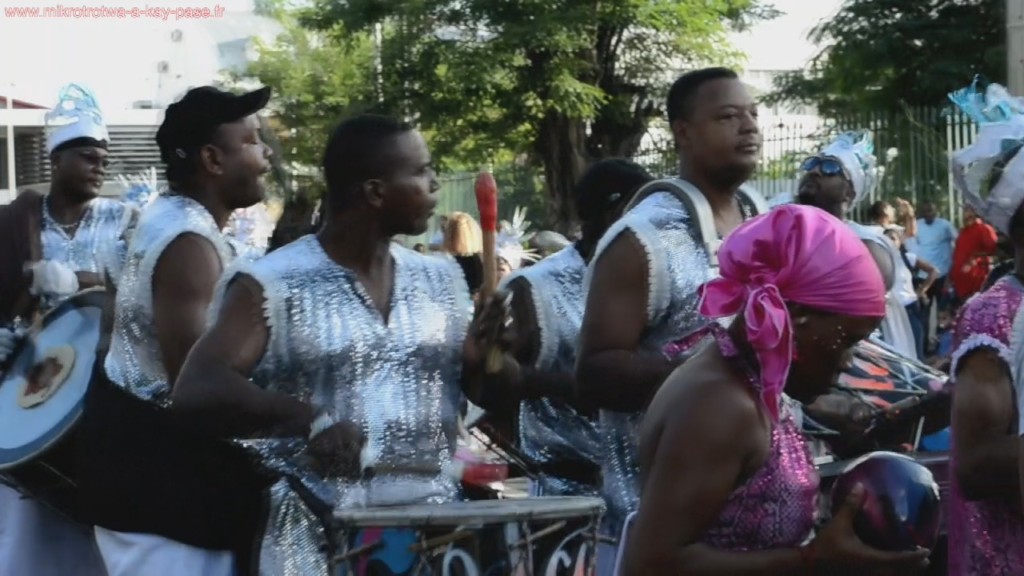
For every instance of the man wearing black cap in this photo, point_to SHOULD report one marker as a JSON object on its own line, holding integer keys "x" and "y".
{"x": 547, "y": 310}
{"x": 210, "y": 143}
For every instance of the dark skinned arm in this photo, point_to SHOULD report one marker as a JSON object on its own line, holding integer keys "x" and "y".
{"x": 184, "y": 279}
{"x": 986, "y": 452}
{"x": 214, "y": 389}
{"x": 687, "y": 484}
{"x": 526, "y": 350}
{"x": 611, "y": 372}
{"x": 933, "y": 274}
{"x": 503, "y": 393}
{"x": 89, "y": 280}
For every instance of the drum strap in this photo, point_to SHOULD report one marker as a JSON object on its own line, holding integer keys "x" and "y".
{"x": 20, "y": 242}
{"x": 702, "y": 217}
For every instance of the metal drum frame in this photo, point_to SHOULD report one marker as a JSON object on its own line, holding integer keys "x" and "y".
{"x": 511, "y": 529}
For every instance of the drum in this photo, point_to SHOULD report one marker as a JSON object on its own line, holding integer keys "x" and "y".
{"x": 910, "y": 400}
{"x": 527, "y": 537}
{"x": 42, "y": 396}
{"x": 937, "y": 463}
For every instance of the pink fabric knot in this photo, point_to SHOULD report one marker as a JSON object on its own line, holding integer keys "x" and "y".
{"x": 767, "y": 325}
{"x": 795, "y": 254}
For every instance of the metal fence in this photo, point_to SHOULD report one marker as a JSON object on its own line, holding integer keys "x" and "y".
{"x": 912, "y": 146}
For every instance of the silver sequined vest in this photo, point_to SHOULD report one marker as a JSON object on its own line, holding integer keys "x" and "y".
{"x": 134, "y": 361}
{"x": 99, "y": 242}
{"x": 677, "y": 266}
{"x": 398, "y": 379}
{"x": 550, "y": 429}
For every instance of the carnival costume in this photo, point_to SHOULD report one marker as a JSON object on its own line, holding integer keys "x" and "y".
{"x": 397, "y": 379}
{"x": 677, "y": 265}
{"x": 855, "y": 152}
{"x": 987, "y": 537}
{"x": 792, "y": 254}
{"x": 33, "y": 538}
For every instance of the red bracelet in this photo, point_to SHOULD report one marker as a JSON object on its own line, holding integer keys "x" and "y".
{"x": 807, "y": 558}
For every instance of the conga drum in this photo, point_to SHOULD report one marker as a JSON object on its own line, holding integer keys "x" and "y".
{"x": 547, "y": 536}
{"x": 42, "y": 397}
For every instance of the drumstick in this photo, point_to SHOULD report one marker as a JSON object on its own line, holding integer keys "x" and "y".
{"x": 487, "y": 204}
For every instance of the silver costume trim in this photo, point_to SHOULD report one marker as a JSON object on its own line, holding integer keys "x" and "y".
{"x": 135, "y": 361}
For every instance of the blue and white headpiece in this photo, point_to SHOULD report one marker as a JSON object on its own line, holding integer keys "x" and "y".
{"x": 77, "y": 115}
{"x": 855, "y": 150}
{"x": 1000, "y": 119}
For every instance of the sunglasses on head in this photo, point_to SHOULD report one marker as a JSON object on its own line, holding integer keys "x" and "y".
{"x": 827, "y": 166}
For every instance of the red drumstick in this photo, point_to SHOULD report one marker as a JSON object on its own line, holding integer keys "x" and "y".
{"x": 487, "y": 204}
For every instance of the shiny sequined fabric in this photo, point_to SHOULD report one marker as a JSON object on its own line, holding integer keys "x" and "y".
{"x": 550, "y": 429}
{"x": 134, "y": 361}
{"x": 774, "y": 508}
{"x": 677, "y": 266}
{"x": 397, "y": 379}
{"x": 986, "y": 538}
{"x": 99, "y": 243}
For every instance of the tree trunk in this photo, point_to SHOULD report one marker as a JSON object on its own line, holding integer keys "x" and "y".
{"x": 561, "y": 146}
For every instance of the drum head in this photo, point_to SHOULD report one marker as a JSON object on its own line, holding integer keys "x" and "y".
{"x": 878, "y": 371}
{"x": 471, "y": 513}
{"x": 42, "y": 394}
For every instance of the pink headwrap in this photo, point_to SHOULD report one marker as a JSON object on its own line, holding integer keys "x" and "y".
{"x": 796, "y": 254}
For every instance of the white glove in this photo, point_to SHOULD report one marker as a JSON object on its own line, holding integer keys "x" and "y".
{"x": 51, "y": 278}
{"x": 8, "y": 342}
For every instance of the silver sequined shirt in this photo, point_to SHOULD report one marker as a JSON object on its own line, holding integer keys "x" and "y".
{"x": 135, "y": 362}
{"x": 396, "y": 378}
{"x": 677, "y": 266}
{"x": 550, "y": 429}
{"x": 99, "y": 243}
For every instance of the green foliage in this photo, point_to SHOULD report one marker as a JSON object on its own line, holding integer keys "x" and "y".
{"x": 879, "y": 54}
{"x": 315, "y": 81}
{"x": 545, "y": 83}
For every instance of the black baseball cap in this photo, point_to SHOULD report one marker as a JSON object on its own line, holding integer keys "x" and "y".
{"x": 190, "y": 122}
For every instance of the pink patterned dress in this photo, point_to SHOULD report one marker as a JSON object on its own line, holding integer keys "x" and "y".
{"x": 985, "y": 538}
{"x": 774, "y": 508}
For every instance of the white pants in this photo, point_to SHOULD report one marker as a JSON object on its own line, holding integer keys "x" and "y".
{"x": 149, "y": 555}
{"x": 37, "y": 541}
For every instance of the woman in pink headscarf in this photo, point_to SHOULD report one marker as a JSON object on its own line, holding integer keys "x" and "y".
{"x": 728, "y": 484}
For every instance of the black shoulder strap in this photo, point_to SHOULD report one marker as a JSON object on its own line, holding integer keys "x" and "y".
{"x": 702, "y": 218}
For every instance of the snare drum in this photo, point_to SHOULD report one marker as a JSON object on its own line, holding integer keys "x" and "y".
{"x": 42, "y": 397}
{"x": 526, "y": 537}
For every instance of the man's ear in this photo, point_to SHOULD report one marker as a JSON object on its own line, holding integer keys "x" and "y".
{"x": 211, "y": 160}
{"x": 373, "y": 191}
{"x": 681, "y": 134}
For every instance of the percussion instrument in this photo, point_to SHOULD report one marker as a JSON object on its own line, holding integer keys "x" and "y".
{"x": 527, "y": 537}
{"x": 936, "y": 462}
{"x": 908, "y": 400}
{"x": 42, "y": 396}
